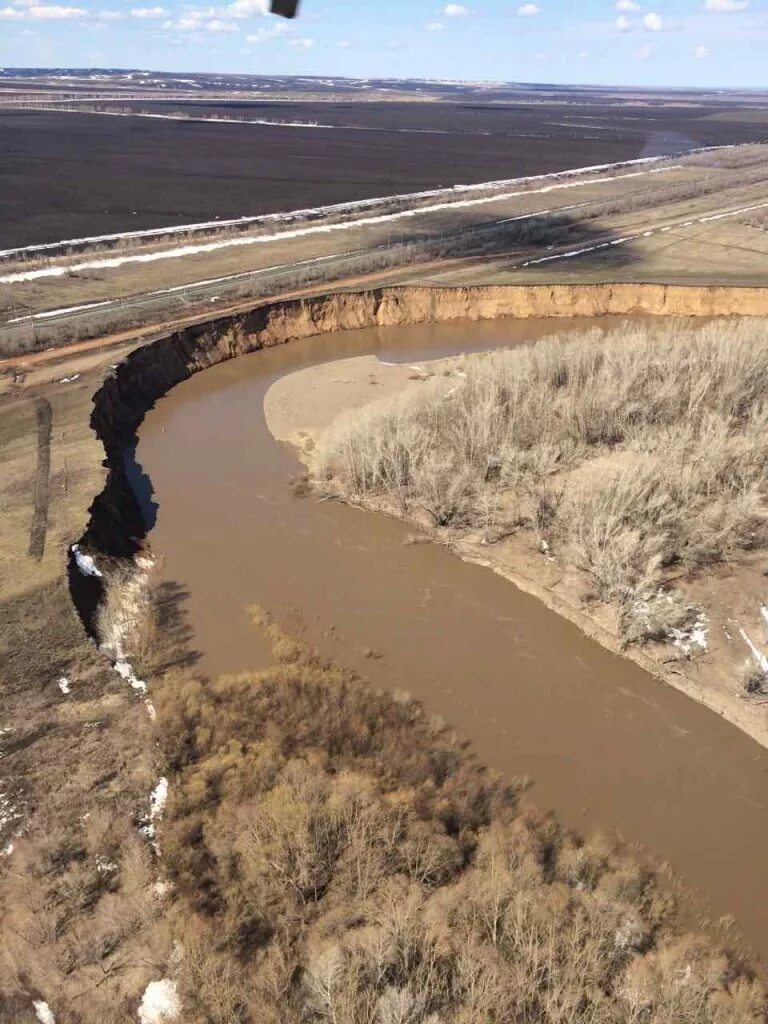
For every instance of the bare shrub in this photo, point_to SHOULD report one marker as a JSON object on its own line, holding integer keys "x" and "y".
{"x": 627, "y": 453}
{"x": 337, "y": 857}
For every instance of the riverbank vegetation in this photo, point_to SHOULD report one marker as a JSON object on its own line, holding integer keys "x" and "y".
{"x": 630, "y": 456}
{"x": 337, "y": 856}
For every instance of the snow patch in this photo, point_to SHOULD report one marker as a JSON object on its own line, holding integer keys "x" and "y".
{"x": 85, "y": 563}
{"x": 693, "y": 639}
{"x": 43, "y": 1012}
{"x": 764, "y": 617}
{"x": 158, "y": 798}
{"x": 157, "y": 801}
{"x": 64, "y": 685}
{"x": 160, "y": 1002}
{"x": 125, "y": 670}
{"x": 759, "y": 658}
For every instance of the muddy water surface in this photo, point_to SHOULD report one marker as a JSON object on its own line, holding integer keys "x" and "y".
{"x": 606, "y": 744}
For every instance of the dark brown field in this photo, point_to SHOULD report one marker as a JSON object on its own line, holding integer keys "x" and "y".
{"x": 116, "y": 174}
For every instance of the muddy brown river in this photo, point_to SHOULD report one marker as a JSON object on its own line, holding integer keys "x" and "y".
{"x": 606, "y": 745}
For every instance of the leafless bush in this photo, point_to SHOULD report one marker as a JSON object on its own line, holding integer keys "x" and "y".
{"x": 338, "y": 858}
{"x": 628, "y": 453}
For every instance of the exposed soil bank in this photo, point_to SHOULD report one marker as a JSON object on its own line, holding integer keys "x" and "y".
{"x": 606, "y": 743}
{"x": 117, "y": 523}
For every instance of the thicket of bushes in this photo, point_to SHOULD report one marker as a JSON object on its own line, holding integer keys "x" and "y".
{"x": 628, "y": 454}
{"x": 337, "y": 857}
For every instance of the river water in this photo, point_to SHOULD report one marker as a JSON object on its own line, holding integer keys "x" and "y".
{"x": 606, "y": 745}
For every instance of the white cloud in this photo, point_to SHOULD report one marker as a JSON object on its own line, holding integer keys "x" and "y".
{"x": 148, "y": 12}
{"x": 725, "y": 6}
{"x": 110, "y": 16}
{"x": 644, "y": 53}
{"x": 434, "y": 26}
{"x": 623, "y": 24}
{"x": 343, "y": 44}
{"x": 455, "y": 10}
{"x": 627, "y": 5}
{"x": 218, "y": 25}
{"x": 53, "y": 12}
{"x": 263, "y": 35}
{"x": 302, "y": 44}
{"x": 701, "y": 52}
{"x": 528, "y": 10}
{"x": 246, "y": 9}
{"x": 56, "y": 13}
{"x": 653, "y": 22}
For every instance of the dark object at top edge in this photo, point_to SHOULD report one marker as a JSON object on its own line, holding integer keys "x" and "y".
{"x": 285, "y": 8}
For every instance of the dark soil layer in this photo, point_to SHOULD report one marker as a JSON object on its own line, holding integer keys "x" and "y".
{"x": 121, "y": 174}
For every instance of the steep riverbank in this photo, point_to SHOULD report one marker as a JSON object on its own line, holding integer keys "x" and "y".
{"x": 117, "y": 522}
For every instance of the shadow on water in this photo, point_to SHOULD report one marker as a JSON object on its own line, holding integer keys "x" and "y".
{"x": 141, "y": 486}
{"x": 174, "y": 632}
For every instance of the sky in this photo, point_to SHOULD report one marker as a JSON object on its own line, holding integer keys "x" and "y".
{"x": 709, "y": 43}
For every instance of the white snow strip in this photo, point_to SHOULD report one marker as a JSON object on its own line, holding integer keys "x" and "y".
{"x": 85, "y": 563}
{"x": 348, "y": 207}
{"x": 56, "y": 312}
{"x": 318, "y": 229}
{"x": 69, "y": 380}
{"x": 591, "y": 127}
{"x": 764, "y": 617}
{"x": 258, "y": 121}
{"x": 760, "y": 659}
{"x": 158, "y": 798}
{"x": 190, "y": 286}
{"x": 732, "y": 213}
{"x": 43, "y": 1012}
{"x": 125, "y": 671}
{"x": 645, "y": 234}
{"x": 160, "y": 1002}
{"x": 64, "y": 685}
